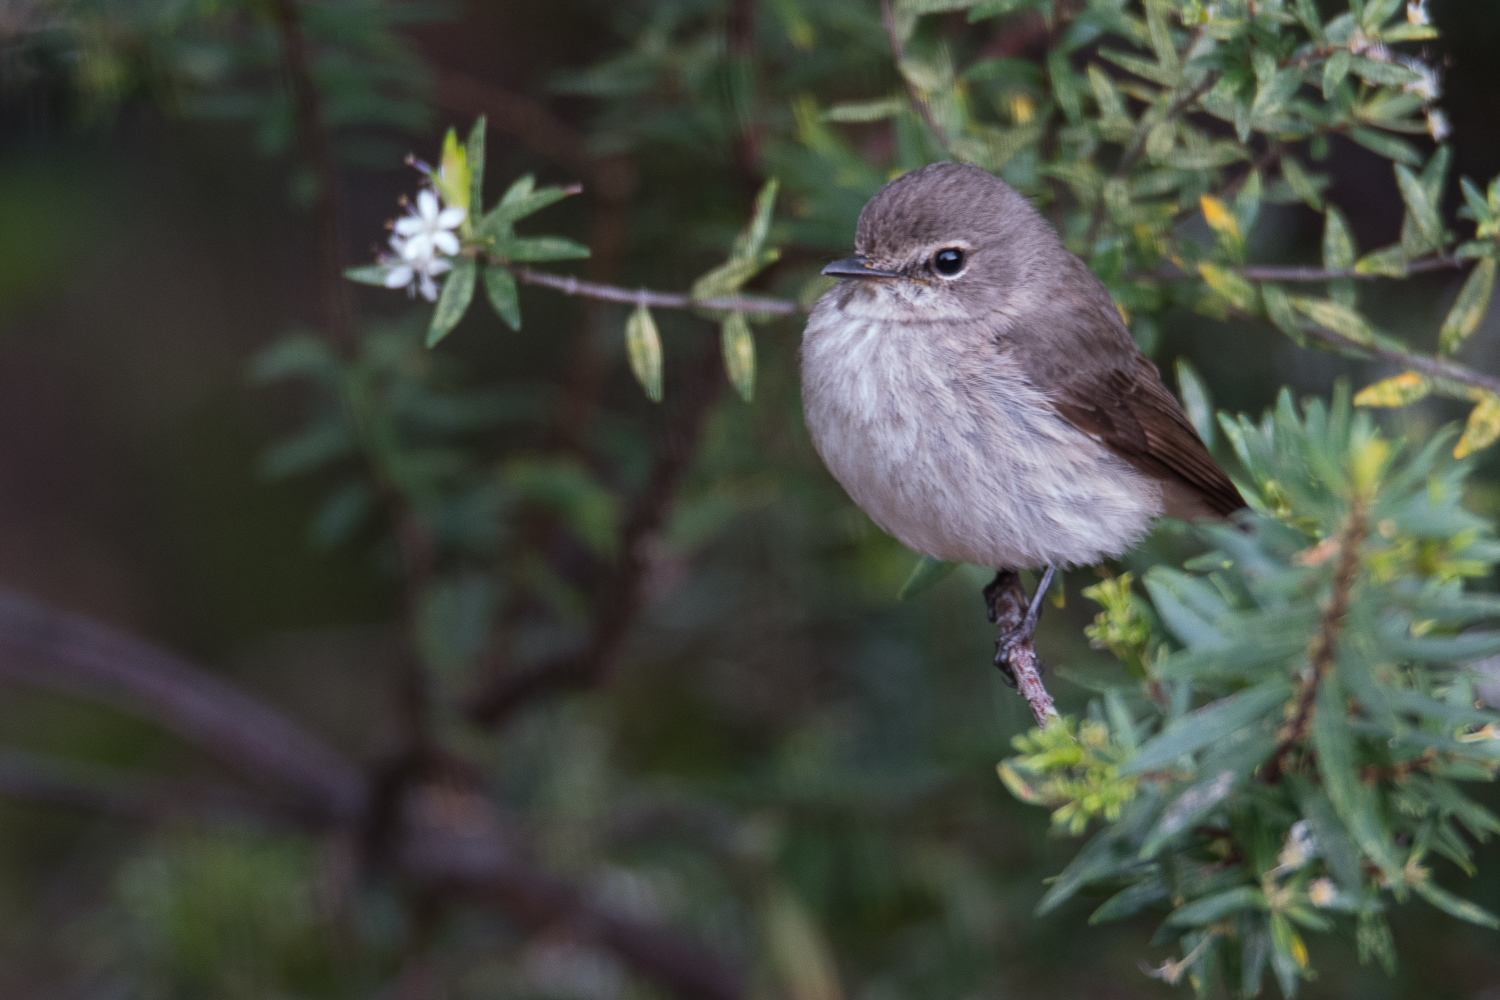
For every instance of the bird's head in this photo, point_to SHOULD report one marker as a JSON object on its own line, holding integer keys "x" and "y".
{"x": 946, "y": 241}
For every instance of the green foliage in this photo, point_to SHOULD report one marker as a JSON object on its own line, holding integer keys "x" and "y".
{"x": 1323, "y": 770}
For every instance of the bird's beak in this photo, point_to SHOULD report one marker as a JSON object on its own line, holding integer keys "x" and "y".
{"x": 857, "y": 267}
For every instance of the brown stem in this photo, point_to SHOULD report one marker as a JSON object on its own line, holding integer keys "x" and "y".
{"x": 569, "y": 285}
{"x": 1434, "y": 367}
{"x": 1323, "y": 649}
{"x": 312, "y": 137}
{"x": 1421, "y": 265}
{"x": 1008, "y": 605}
{"x": 623, "y": 593}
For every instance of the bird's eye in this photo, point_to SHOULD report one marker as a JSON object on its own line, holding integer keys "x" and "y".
{"x": 948, "y": 262}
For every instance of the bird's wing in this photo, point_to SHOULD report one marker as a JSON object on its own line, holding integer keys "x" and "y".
{"x": 1134, "y": 415}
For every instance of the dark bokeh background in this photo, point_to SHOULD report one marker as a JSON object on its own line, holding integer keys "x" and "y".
{"x": 773, "y": 684}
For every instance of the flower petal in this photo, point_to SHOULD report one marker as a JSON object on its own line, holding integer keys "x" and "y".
{"x": 417, "y": 248}
{"x": 450, "y": 217}
{"x": 436, "y": 266}
{"x": 399, "y": 276}
{"x": 429, "y": 289}
{"x": 445, "y": 242}
{"x": 427, "y": 206}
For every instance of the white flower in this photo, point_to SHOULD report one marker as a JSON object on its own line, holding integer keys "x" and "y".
{"x": 1437, "y": 124}
{"x": 1427, "y": 86}
{"x": 1416, "y": 12}
{"x": 1322, "y": 892}
{"x": 1300, "y": 847}
{"x": 415, "y": 274}
{"x": 427, "y": 228}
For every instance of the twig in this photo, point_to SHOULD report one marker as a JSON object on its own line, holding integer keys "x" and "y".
{"x": 1433, "y": 367}
{"x": 1422, "y": 265}
{"x": 59, "y": 651}
{"x": 918, "y": 99}
{"x": 1008, "y": 610}
{"x": 623, "y": 592}
{"x": 1323, "y": 649}
{"x": 34, "y": 778}
{"x": 662, "y": 300}
{"x": 312, "y": 136}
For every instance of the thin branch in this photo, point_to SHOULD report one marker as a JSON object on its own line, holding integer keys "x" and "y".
{"x": 1323, "y": 649}
{"x": 661, "y": 300}
{"x": 53, "y": 649}
{"x": 1434, "y": 367}
{"x": 312, "y": 136}
{"x": 1421, "y": 265}
{"x": 918, "y": 99}
{"x": 1007, "y": 610}
{"x": 33, "y": 778}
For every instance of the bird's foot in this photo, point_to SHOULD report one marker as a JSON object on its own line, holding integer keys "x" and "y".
{"x": 1014, "y": 633}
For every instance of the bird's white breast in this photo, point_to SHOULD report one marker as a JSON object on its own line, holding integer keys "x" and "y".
{"x": 948, "y": 447}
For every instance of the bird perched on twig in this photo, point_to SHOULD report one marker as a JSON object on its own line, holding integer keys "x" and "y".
{"x": 972, "y": 386}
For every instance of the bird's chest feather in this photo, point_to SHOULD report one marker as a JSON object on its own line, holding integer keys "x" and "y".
{"x": 946, "y": 445}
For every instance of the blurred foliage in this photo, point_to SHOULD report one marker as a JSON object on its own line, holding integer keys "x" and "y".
{"x": 794, "y": 764}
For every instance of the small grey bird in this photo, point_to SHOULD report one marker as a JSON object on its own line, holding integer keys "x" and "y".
{"x": 972, "y": 386}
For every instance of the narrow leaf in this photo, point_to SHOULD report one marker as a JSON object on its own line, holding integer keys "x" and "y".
{"x": 476, "y": 167}
{"x": 1482, "y": 428}
{"x": 1195, "y": 400}
{"x": 643, "y": 348}
{"x": 1469, "y": 309}
{"x": 738, "y": 345}
{"x": 458, "y": 291}
{"x": 500, "y": 285}
{"x": 1423, "y": 211}
{"x": 926, "y": 573}
{"x": 1401, "y": 390}
{"x": 1197, "y": 729}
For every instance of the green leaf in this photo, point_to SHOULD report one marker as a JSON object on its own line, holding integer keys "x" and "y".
{"x": 476, "y": 168}
{"x": 868, "y": 111}
{"x": 1423, "y": 210}
{"x": 748, "y": 245}
{"x": 458, "y": 292}
{"x": 1279, "y": 311}
{"x": 540, "y": 248}
{"x": 500, "y": 285}
{"x": 1334, "y": 71}
{"x": 1338, "y": 245}
{"x": 1455, "y": 906}
{"x": 1302, "y": 185}
{"x": 1390, "y": 262}
{"x": 1337, "y": 767}
{"x": 1212, "y": 909}
{"x": 1064, "y": 85}
{"x": 1197, "y": 730}
{"x": 496, "y": 224}
{"x": 928, "y": 572}
{"x": 1469, "y": 308}
{"x": 1387, "y": 145}
{"x": 1195, "y": 400}
{"x": 1288, "y": 955}
{"x": 1131, "y": 900}
{"x": 1336, "y": 317}
{"x": 738, "y": 345}
{"x": 643, "y": 348}
{"x": 1230, "y": 286}
{"x": 369, "y": 274}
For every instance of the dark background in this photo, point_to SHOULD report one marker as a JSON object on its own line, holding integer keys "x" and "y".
{"x": 773, "y": 684}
